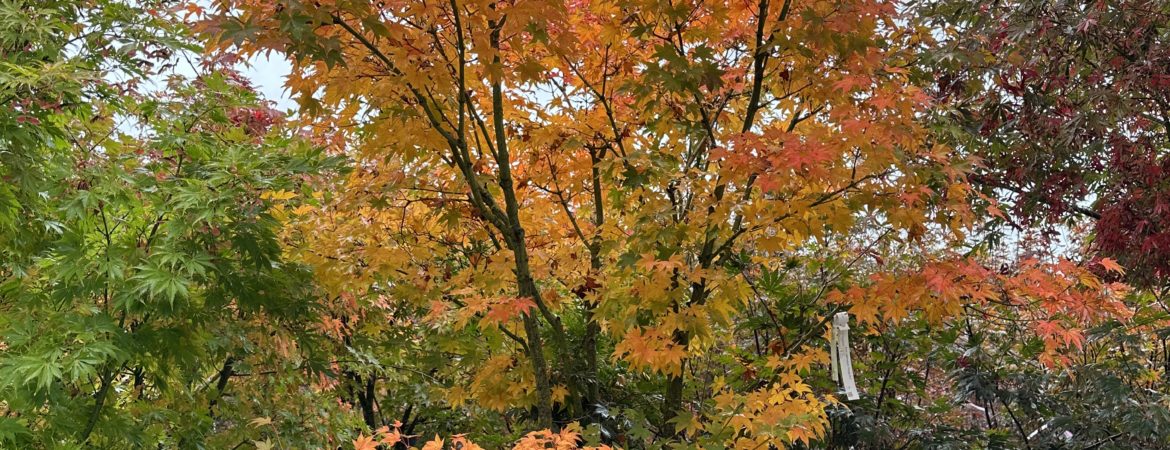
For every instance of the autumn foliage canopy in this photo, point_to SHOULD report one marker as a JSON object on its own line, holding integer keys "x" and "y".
{"x": 537, "y": 224}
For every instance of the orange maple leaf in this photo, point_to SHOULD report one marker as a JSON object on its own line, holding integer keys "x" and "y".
{"x": 434, "y": 444}
{"x": 507, "y": 309}
{"x": 1111, "y": 265}
{"x": 364, "y": 442}
{"x": 801, "y": 434}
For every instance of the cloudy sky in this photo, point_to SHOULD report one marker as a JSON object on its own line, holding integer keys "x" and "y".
{"x": 268, "y": 74}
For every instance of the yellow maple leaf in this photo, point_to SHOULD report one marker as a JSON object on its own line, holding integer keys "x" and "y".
{"x": 278, "y": 195}
{"x": 559, "y": 393}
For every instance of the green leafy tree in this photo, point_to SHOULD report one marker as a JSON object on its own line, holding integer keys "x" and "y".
{"x": 142, "y": 280}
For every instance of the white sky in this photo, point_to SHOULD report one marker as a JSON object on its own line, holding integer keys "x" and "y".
{"x": 268, "y": 75}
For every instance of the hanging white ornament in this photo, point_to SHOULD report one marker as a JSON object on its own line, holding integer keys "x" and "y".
{"x": 842, "y": 360}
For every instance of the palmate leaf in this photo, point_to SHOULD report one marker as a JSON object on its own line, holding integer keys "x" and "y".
{"x": 40, "y": 371}
{"x": 13, "y": 430}
{"x": 158, "y": 281}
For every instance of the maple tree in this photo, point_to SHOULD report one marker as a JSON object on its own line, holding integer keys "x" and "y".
{"x": 541, "y": 177}
{"x": 1061, "y": 103}
{"x": 141, "y": 270}
{"x": 1066, "y": 105}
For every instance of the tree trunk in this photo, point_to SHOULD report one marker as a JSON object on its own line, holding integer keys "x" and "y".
{"x": 672, "y": 401}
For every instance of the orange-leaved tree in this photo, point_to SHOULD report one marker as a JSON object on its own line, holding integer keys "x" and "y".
{"x": 567, "y": 195}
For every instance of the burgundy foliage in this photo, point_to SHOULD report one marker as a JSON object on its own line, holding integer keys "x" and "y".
{"x": 1070, "y": 104}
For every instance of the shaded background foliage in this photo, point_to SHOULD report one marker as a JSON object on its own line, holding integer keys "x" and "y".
{"x": 1067, "y": 105}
